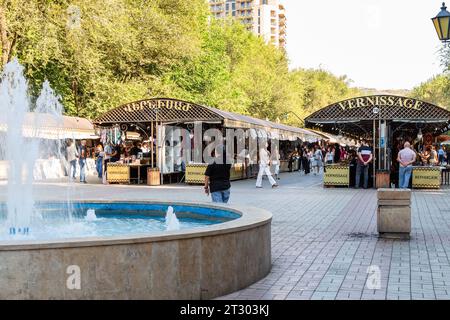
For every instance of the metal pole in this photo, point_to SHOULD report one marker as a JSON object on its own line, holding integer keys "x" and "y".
{"x": 151, "y": 146}
{"x": 374, "y": 146}
{"x": 159, "y": 147}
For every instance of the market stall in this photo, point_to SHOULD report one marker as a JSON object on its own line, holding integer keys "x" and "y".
{"x": 53, "y": 132}
{"x": 387, "y": 122}
{"x": 174, "y": 131}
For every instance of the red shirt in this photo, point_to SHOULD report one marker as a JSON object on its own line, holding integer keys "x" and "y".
{"x": 365, "y": 152}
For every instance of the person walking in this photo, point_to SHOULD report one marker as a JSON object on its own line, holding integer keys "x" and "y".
{"x": 276, "y": 163}
{"x": 264, "y": 162}
{"x": 72, "y": 155}
{"x": 365, "y": 157}
{"x": 82, "y": 161}
{"x": 406, "y": 157}
{"x": 317, "y": 160}
{"x": 217, "y": 181}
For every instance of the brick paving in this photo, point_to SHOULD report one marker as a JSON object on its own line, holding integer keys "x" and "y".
{"x": 324, "y": 241}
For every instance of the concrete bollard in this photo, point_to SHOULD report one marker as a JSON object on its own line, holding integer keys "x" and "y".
{"x": 394, "y": 213}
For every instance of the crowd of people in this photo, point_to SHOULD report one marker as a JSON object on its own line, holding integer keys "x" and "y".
{"x": 103, "y": 154}
{"x": 313, "y": 157}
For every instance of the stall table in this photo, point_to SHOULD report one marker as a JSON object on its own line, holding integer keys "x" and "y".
{"x": 122, "y": 172}
{"x": 195, "y": 173}
{"x": 284, "y": 165}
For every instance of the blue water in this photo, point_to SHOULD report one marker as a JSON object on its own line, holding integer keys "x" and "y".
{"x": 112, "y": 219}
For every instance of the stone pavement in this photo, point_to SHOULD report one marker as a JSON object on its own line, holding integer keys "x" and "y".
{"x": 324, "y": 241}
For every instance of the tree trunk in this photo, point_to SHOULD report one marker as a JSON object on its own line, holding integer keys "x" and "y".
{"x": 6, "y": 46}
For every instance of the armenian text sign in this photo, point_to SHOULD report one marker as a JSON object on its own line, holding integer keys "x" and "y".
{"x": 158, "y": 104}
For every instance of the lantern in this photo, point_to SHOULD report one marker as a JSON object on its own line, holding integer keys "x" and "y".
{"x": 442, "y": 24}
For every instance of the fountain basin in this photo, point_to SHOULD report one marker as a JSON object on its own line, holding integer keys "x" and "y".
{"x": 193, "y": 263}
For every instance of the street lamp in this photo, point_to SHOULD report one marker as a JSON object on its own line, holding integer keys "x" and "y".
{"x": 442, "y": 24}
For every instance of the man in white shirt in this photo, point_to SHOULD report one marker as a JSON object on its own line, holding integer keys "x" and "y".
{"x": 264, "y": 162}
{"x": 72, "y": 155}
{"x": 406, "y": 158}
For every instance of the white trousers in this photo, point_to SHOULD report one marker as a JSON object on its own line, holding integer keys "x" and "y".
{"x": 264, "y": 169}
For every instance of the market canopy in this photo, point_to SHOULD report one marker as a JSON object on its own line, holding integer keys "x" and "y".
{"x": 356, "y": 116}
{"x": 177, "y": 111}
{"x": 48, "y": 126}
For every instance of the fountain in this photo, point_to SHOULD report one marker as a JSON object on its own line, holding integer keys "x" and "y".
{"x": 90, "y": 215}
{"x": 172, "y": 222}
{"x": 122, "y": 249}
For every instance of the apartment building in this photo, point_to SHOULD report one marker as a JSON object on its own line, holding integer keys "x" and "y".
{"x": 265, "y": 18}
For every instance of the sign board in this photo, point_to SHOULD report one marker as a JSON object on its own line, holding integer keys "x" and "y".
{"x": 383, "y": 100}
{"x": 118, "y": 173}
{"x": 426, "y": 178}
{"x": 195, "y": 173}
{"x": 337, "y": 176}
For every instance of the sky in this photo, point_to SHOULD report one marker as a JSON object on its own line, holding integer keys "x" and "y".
{"x": 381, "y": 44}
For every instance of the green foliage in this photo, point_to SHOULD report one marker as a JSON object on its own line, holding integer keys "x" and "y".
{"x": 123, "y": 50}
{"x": 436, "y": 91}
{"x": 321, "y": 88}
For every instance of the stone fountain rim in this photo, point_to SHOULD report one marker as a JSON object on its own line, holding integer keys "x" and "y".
{"x": 251, "y": 217}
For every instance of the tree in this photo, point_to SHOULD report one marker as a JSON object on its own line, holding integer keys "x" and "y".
{"x": 100, "y": 54}
{"x": 436, "y": 91}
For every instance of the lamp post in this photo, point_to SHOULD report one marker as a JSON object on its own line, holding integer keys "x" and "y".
{"x": 442, "y": 24}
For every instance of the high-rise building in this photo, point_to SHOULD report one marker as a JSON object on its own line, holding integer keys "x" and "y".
{"x": 265, "y": 18}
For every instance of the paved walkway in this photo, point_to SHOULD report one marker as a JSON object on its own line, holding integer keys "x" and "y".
{"x": 323, "y": 240}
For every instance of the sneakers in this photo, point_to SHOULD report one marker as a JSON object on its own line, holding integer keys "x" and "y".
{"x": 258, "y": 187}
{"x": 275, "y": 185}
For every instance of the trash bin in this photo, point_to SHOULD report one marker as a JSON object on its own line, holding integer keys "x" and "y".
{"x": 153, "y": 177}
{"x": 383, "y": 179}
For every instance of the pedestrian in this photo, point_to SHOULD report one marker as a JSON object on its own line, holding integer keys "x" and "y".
{"x": 317, "y": 160}
{"x": 305, "y": 161}
{"x": 441, "y": 155}
{"x": 136, "y": 149}
{"x": 433, "y": 156}
{"x": 337, "y": 153}
{"x": 276, "y": 163}
{"x": 82, "y": 161}
{"x": 217, "y": 180}
{"x": 447, "y": 154}
{"x": 365, "y": 157}
{"x": 264, "y": 163}
{"x": 329, "y": 156}
{"x": 99, "y": 162}
{"x": 406, "y": 157}
{"x": 344, "y": 154}
{"x": 108, "y": 151}
{"x": 72, "y": 155}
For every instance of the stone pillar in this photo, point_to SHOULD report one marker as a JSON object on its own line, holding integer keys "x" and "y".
{"x": 394, "y": 213}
